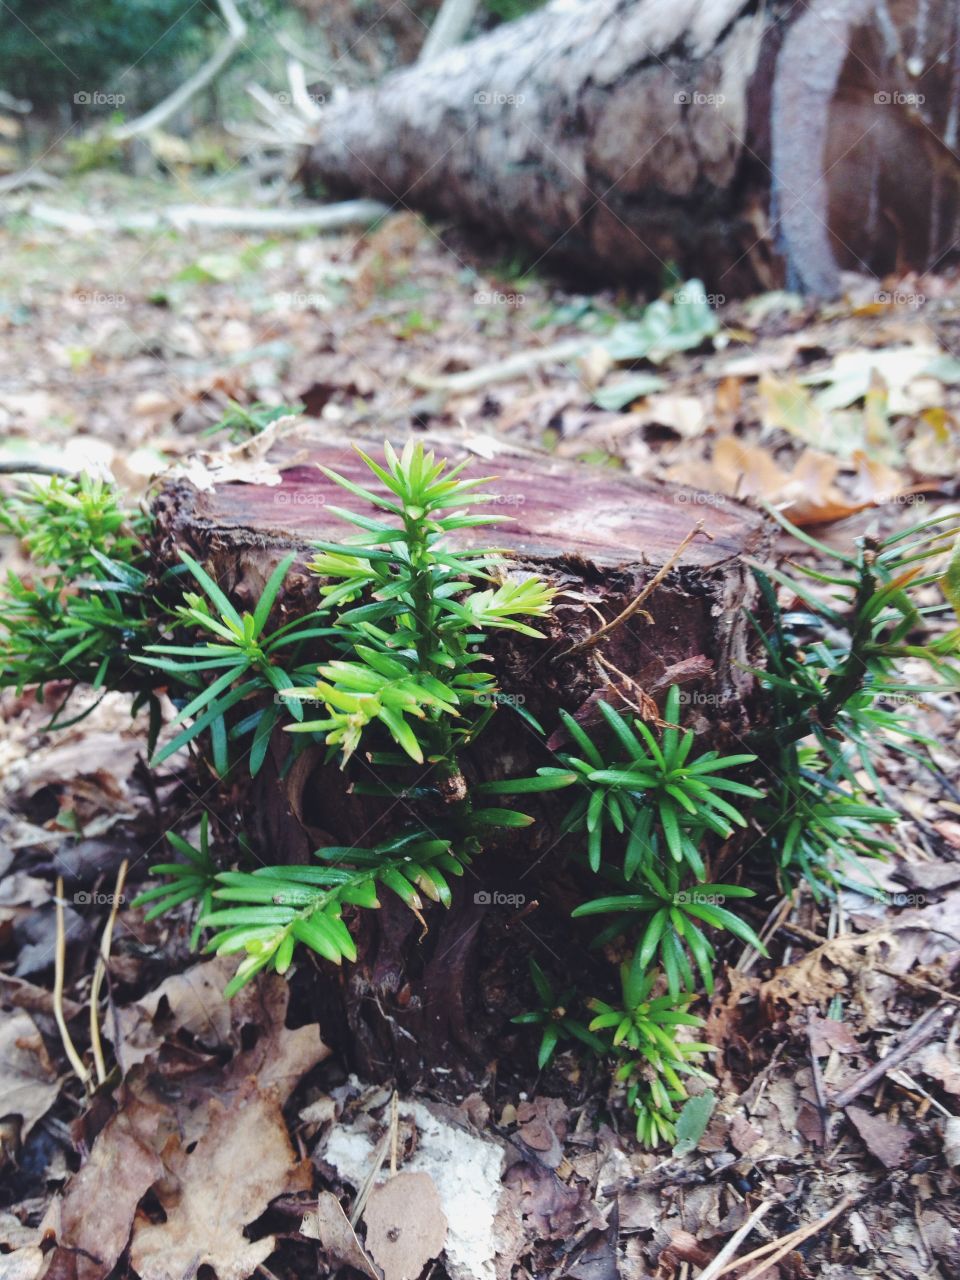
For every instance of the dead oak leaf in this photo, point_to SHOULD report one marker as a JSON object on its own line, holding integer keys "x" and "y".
{"x": 192, "y": 1002}
{"x": 28, "y": 1080}
{"x": 101, "y": 1200}
{"x": 242, "y": 1162}
{"x": 406, "y": 1225}
{"x": 887, "y": 1141}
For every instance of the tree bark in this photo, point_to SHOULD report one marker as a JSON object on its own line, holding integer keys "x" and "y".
{"x": 752, "y": 145}
{"x": 411, "y": 1005}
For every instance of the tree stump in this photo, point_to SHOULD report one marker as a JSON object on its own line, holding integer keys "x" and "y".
{"x": 443, "y": 1001}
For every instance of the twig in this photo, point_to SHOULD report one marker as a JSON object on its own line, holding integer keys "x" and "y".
{"x": 297, "y": 78}
{"x": 501, "y": 370}
{"x": 59, "y": 965}
{"x": 907, "y": 1082}
{"x": 773, "y": 923}
{"x": 34, "y": 469}
{"x": 823, "y": 1106}
{"x": 152, "y": 119}
{"x": 776, "y": 1249}
{"x": 331, "y": 217}
{"x": 601, "y": 634}
{"x": 918, "y": 1035}
{"x": 733, "y": 1244}
{"x": 394, "y": 1132}
{"x": 918, "y": 984}
{"x": 448, "y": 28}
{"x": 364, "y": 1193}
{"x": 100, "y": 971}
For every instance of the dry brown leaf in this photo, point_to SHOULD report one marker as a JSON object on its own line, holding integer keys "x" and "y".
{"x": 828, "y": 1034}
{"x": 101, "y": 1200}
{"x": 331, "y": 1226}
{"x": 817, "y": 976}
{"x": 242, "y": 1162}
{"x": 406, "y": 1225}
{"x": 281, "y": 1056}
{"x": 28, "y": 1080}
{"x": 191, "y": 1001}
{"x": 543, "y": 1126}
{"x": 887, "y": 1141}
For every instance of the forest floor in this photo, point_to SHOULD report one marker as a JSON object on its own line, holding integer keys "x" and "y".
{"x": 120, "y": 350}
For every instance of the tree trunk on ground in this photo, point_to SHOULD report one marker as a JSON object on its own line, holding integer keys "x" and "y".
{"x": 444, "y": 1002}
{"x": 753, "y": 145}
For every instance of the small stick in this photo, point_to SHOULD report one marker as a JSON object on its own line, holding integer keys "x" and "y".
{"x": 906, "y": 1081}
{"x": 918, "y": 984}
{"x": 733, "y": 1244}
{"x": 823, "y": 1106}
{"x": 34, "y": 469}
{"x": 394, "y": 1133}
{"x": 364, "y": 1193}
{"x": 601, "y": 634}
{"x": 59, "y": 965}
{"x": 99, "y": 973}
{"x": 776, "y": 1249}
{"x": 918, "y": 1035}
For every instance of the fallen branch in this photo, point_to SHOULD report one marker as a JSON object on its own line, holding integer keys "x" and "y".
{"x": 772, "y": 1252}
{"x": 331, "y": 217}
{"x": 32, "y": 177}
{"x": 502, "y": 370}
{"x": 733, "y": 1244}
{"x": 916, "y": 1037}
{"x": 156, "y": 116}
{"x": 448, "y": 28}
{"x": 345, "y": 215}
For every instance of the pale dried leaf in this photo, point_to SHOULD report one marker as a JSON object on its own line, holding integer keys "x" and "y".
{"x": 243, "y": 1161}
{"x": 406, "y": 1225}
{"x": 101, "y": 1200}
{"x": 28, "y": 1081}
{"x": 331, "y": 1226}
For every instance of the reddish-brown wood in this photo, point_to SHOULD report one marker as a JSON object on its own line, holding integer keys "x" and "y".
{"x": 410, "y": 1005}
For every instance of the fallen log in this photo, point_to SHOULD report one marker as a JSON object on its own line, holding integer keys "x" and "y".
{"x": 443, "y": 1002}
{"x": 752, "y": 145}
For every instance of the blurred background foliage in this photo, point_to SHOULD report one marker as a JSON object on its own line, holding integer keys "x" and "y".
{"x": 60, "y": 52}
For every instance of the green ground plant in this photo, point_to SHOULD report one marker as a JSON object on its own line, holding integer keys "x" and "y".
{"x": 406, "y": 687}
